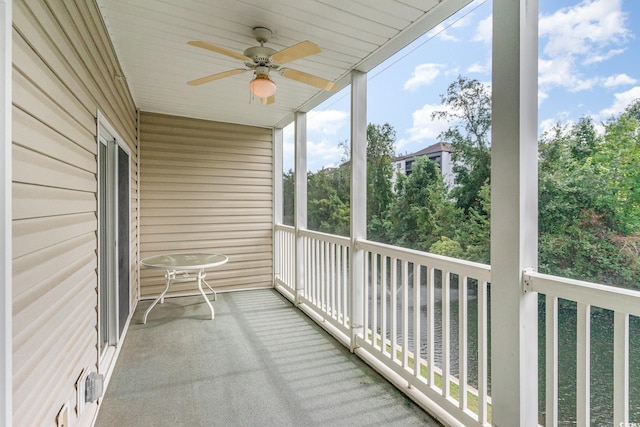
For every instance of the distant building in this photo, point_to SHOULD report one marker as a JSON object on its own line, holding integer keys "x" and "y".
{"x": 438, "y": 152}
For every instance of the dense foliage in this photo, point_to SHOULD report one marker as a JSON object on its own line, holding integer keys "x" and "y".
{"x": 589, "y": 192}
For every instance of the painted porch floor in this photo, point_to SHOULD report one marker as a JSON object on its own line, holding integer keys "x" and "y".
{"x": 260, "y": 363}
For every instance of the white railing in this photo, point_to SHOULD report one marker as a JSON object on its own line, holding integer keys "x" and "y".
{"x": 285, "y": 256}
{"x": 623, "y": 303}
{"x": 410, "y": 325}
{"x": 426, "y": 320}
{"x": 326, "y": 283}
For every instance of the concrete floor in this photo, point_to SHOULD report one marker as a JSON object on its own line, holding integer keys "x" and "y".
{"x": 261, "y": 362}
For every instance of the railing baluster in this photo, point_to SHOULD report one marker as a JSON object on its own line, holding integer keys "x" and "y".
{"x": 583, "y": 362}
{"x": 417, "y": 269}
{"x": 405, "y": 314}
{"x": 482, "y": 352}
{"x": 365, "y": 298}
{"x": 345, "y": 286}
{"x": 383, "y": 303}
{"x": 446, "y": 332}
{"x": 333, "y": 264}
{"x": 316, "y": 287}
{"x": 551, "y": 320}
{"x": 374, "y": 298}
{"x": 394, "y": 308}
{"x": 462, "y": 341}
{"x": 621, "y": 369}
{"x": 430, "y": 325}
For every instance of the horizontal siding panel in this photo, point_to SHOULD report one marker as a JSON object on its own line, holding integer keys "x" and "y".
{"x": 79, "y": 40}
{"x": 31, "y": 133}
{"x": 31, "y": 201}
{"x": 39, "y": 40}
{"x": 211, "y": 236}
{"x": 199, "y": 188}
{"x": 206, "y": 186}
{"x": 32, "y": 318}
{"x": 31, "y": 235}
{"x": 190, "y": 140}
{"x": 221, "y": 195}
{"x": 198, "y": 228}
{"x": 30, "y": 167}
{"x": 57, "y": 264}
{"x": 206, "y": 203}
{"x": 213, "y": 245}
{"x": 254, "y": 212}
{"x": 221, "y": 164}
{"x": 63, "y": 67}
{"x": 37, "y": 381}
{"x": 204, "y": 181}
{"x": 30, "y": 99}
{"x": 40, "y": 75}
{"x": 162, "y": 124}
{"x": 199, "y": 221}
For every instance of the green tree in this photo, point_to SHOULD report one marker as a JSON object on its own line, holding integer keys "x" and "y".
{"x": 288, "y": 192}
{"x": 326, "y": 212}
{"x": 587, "y": 221}
{"x": 467, "y": 105}
{"x": 423, "y": 212}
{"x": 380, "y": 195}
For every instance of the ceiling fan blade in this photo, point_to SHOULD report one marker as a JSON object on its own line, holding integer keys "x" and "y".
{"x": 217, "y": 76}
{"x": 297, "y": 51}
{"x": 309, "y": 79}
{"x": 218, "y": 49}
{"x": 268, "y": 101}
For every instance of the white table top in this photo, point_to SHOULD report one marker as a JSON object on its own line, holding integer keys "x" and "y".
{"x": 189, "y": 261}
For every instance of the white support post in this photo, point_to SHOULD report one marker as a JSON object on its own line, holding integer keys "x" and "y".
{"x": 514, "y": 213}
{"x": 300, "y": 198}
{"x": 277, "y": 199}
{"x": 358, "y": 199}
{"x": 5, "y": 216}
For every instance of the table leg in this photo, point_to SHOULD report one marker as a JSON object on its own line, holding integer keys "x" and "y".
{"x": 201, "y": 276}
{"x": 169, "y": 275}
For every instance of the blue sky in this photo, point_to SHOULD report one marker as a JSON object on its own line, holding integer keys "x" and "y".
{"x": 589, "y": 64}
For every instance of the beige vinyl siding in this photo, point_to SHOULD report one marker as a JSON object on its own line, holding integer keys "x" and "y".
{"x": 206, "y": 186}
{"x": 63, "y": 68}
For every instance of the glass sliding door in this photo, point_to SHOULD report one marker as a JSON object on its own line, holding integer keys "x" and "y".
{"x": 114, "y": 268}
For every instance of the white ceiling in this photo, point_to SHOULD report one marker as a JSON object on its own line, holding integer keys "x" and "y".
{"x": 150, "y": 38}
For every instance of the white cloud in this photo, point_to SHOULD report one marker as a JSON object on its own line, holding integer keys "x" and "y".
{"x": 323, "y": 153}
{"x": 440, "y": 31}
{"x": 423, "y": 75}
{"x": 619, "y": 80}
{"x": 481, "y": 68}
{"x": 484, "y": 30}
{"x": 621, "y": 101}
{"x": 326, "y": 122}
{"x": 581, "y": 29}
{"x": 424, "y": 127}
{"x": 594, "y": 58}
{"x": 591, "y": 31}
{"x": 542, "y": 96}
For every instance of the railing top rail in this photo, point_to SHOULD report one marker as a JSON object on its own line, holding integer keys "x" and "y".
{"x": 603, "y": 296}
{"x": 331, "y": 238}
{"x": 475, "y": 270}
{"x": 284, "y": 227}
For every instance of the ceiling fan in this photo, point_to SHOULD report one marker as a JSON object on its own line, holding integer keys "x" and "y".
{"x": 262, "y": 60}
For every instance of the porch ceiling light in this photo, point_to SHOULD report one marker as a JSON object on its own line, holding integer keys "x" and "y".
{"x": 262, "y": 86}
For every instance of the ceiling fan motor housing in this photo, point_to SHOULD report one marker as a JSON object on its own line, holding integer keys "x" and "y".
{"x": 261, "y": 55}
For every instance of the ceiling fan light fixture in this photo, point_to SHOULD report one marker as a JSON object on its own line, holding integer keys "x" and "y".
{"x": 262, "y": 86}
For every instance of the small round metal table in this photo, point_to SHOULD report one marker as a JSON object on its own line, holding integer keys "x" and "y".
{"x": 184, "y": 268}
